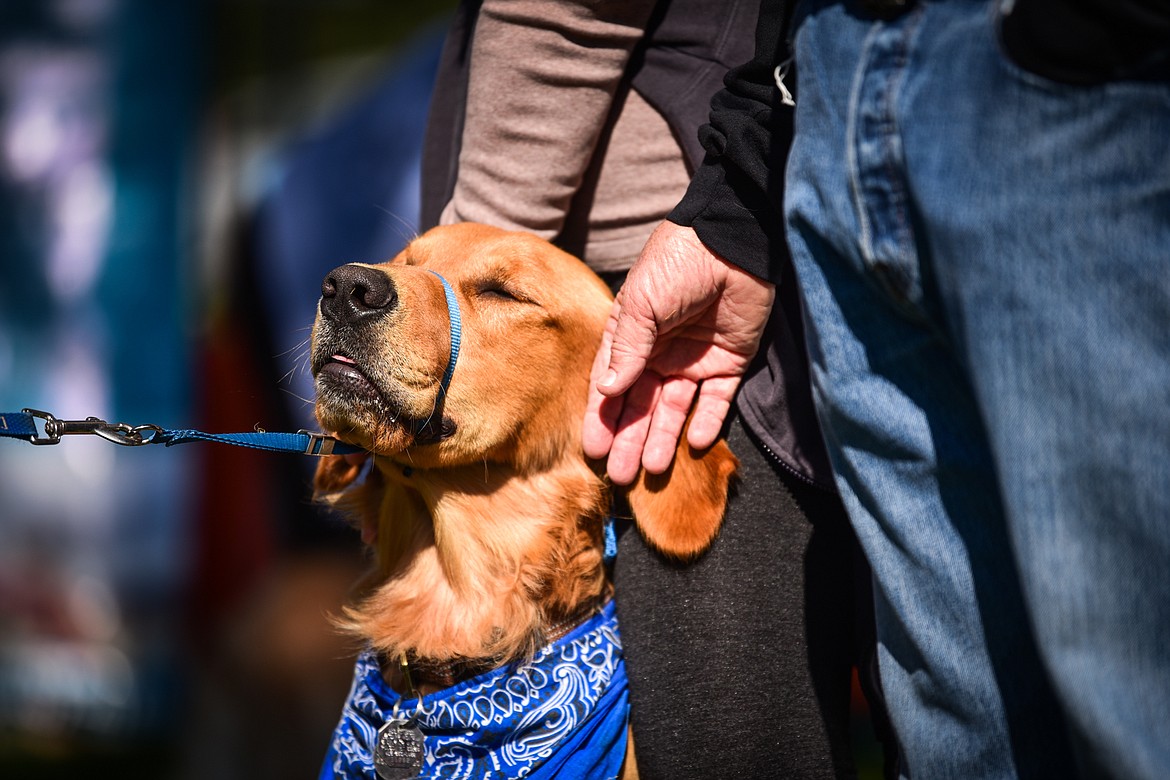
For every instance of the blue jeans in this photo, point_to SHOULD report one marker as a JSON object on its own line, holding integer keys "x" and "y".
{"x": 984, "y": 258}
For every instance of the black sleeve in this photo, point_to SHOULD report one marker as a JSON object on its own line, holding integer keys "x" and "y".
{"x": 734, "y": 201}
{"x": 1090, "y": 41}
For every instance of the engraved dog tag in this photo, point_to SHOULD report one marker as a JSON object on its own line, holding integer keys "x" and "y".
{"x": 399, "y": 752}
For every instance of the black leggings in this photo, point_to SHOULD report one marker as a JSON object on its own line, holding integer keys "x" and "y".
{"x": 740, "y": 664}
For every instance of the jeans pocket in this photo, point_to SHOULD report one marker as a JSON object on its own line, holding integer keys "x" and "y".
{"x": 1071, "y": 73}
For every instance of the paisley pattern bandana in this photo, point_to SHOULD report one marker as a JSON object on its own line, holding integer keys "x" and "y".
{"x": 563, "y": 714}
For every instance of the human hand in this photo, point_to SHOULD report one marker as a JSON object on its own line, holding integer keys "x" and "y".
{"x": 684, "y": 322}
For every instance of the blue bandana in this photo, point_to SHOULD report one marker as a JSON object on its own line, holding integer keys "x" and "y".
{"x": 564, "y": 714}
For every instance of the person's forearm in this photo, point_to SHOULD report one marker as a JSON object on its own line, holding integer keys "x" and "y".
{"x": 542, "y": 80}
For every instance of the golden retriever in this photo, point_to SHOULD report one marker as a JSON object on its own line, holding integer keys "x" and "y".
{"x": 485, "y": 518}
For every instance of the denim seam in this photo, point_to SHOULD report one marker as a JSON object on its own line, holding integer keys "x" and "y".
{"x": 851, "y": 159}
{"x": 898, "y": 280}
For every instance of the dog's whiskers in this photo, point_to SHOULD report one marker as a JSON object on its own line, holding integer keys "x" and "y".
{"x": 301, "y": 366}
{"x": 300, "y": 362}
{"x": 287, "y": 376}
{"x": 299, "y": 345}
{"x": 301, "y": 398}
{"x": 434, "y": 410}
{"x": 405, "y": 229}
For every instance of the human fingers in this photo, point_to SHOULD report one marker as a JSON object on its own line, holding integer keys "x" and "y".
{"x": 632, "y": 332}
{"x": 625, "y": 453}
{"x": 670, "y": 279}
{"x": 601, "y": 413}
{"x": 666, "y": 425}
{"x": 711, "y": 408}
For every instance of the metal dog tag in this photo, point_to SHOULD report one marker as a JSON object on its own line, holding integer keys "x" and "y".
{"x": 399, "y": 752}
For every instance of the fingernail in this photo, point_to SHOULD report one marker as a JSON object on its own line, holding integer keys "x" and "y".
{"x": 609, "y": 378}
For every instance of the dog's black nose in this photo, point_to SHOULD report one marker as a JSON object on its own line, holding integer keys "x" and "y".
{"x": 354, "y": 292}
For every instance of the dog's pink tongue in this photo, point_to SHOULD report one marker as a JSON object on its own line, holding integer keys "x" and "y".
{"x": 342, "y": 359}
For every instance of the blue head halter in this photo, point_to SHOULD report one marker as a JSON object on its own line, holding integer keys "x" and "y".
{"x": 456, "y": 332}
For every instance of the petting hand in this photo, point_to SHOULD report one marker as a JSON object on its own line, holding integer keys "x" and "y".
{"x": 684, "y": 321}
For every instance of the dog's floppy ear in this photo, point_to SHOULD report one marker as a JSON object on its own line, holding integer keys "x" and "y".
{"x": 680, "y": 511}
{"x": 334, "y": 474}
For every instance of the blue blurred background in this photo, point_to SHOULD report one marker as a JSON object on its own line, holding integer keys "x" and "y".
{"x": 175, "y": 180}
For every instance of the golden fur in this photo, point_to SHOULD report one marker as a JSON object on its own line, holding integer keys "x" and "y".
{"x": 484, "y": 515}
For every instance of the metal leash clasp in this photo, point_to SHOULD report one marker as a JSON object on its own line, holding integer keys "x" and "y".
{"x": 118, "y": 433}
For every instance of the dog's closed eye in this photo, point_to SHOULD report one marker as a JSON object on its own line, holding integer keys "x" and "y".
{"x": 502, "y": 291}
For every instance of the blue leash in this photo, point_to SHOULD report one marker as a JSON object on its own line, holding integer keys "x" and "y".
{"x": 23, "y": 424}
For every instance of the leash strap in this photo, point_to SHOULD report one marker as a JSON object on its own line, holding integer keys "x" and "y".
{"x": 18, "y": 425}
{"x": 303, "y": 442}
{"x": 23, "y": 425}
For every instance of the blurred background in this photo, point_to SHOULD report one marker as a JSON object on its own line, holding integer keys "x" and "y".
{"x": 175, "y": 180}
